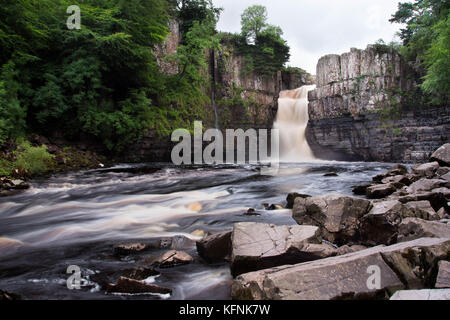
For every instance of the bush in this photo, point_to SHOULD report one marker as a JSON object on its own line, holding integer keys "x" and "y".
{"x": 34, "y": 159}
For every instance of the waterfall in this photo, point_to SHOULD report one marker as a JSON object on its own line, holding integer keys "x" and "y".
{"x": 292, "y": 120}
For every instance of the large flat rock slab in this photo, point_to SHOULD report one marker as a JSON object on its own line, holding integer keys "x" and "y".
{"x": 341, "y": 277}
{"x": 436, "y": 294}
{"x": 257, "y": 246}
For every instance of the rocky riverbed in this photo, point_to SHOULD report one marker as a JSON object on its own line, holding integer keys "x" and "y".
{"x": 221, "y": 233}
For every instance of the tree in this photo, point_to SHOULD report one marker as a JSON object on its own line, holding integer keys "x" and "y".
{"x": 253, "y": 22}
{"x": 425, "y": 39}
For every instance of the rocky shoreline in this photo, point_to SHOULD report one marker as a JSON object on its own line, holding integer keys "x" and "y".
{"x": 398, "y": 228}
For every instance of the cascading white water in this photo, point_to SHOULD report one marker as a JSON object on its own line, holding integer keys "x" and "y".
{"x": 292, "y": 120}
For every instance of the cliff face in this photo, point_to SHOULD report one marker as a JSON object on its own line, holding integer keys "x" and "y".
{"x": 362, "y": 109}
{"x": 243, "y": 99}
{"x": 246, "y": 99}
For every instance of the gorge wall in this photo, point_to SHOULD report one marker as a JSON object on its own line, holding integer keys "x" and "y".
{"x": 243, "y": 99}
{"x": 364, "y": 108}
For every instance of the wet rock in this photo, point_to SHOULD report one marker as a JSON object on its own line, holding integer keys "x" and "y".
{"x": 257, "y": 246}
{"x": 380, "y": 191}
{"x": 275, "y": 207}
{"x": 6, "y": 296}
{"x": 424, "y": 185}
{"x": 171, "y": 259}
{"x": 251, "y": 212}
{"x": 442, "y": 155}
{"x": 380, "y": 225}
{"x": 19, "y": 185}
{"x": 443, "y": 277}
{"x": 125, "y": 249}
{"x": 126, "y": 285}
{"x": 216, "y": 247}
{"x": 337, "y": 215}
{"x": 175, "y": 243}
{"x": 427, "y": 170}
{"x": 341, "y": 277}
{"x": 425, "y": 294}
{"x": 140, "y": 273}
{"x": 414, "y": 228}
{"x": 422, "y": 210}
{"x": 361, "y": 190}
{"x": 331, "y": 174}
{"x": 349, "y": 249}
{"x": 291, "y": 199}
{"x": 398, "y": 170}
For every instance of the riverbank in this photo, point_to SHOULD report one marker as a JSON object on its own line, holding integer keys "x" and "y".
{"x": 37, "y": 156}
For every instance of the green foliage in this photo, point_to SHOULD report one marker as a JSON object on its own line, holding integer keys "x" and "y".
{"x": 34, "y": 159}
{"x": 12, "y": 114}
{"x": 426, "y": 39}
{"x": 253, "y": 22}
{"x": 261, "y": 44}
{"x": 437, "y": 61}
{"x": 6, "y": 167}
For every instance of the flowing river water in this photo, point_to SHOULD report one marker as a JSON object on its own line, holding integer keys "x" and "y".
{"x": 76, "y": 219}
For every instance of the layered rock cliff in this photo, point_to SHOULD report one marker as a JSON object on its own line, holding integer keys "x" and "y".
{"x": 364, "y": 109}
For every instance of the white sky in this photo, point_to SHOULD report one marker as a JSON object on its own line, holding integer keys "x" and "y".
{"x": 314, "y": 28}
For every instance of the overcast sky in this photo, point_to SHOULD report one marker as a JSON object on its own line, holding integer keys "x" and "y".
{"x": 314, "y": 28}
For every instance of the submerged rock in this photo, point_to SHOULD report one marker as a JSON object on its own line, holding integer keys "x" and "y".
{"x": 426, "y": 294}
{"x": 125, "y": 249}
{"x": 171, "y": 259}
{"x": 126, "y": 285}
{"x": 344, "y": 277}
{"x": 257, "y": 246}
{"x": 338, "y": 216}
{"x": 215, "y": 247}
{"x": 6, "y": 296}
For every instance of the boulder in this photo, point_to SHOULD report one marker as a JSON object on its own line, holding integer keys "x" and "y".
{"x": 380, "y": 191}
{"x": 380, "y": 225}
{"x": 442, "y": 155}
{"x": 350, "y": 276}
{"x": 171, "y": 259}
{"x": 426, "y": 294}
{"x": 337, "y": 215}
{"x": 442, "y": 171}
{"x": 427, "y": 170}
{"x": 397, "y": 180}
{"x": 291, "y": 199}
{"x": 257, "y": 246}
{"x": 131, "y": 286}
{"x": 436, "y": 199}
{"x": 361, "y": 190}
{"x": 443, "y": 277}
{"x": 414, "y": 228}
{"x": 215, "y": 247}
{"x": 424, "y": 185}
{"x": 422, "y": 210}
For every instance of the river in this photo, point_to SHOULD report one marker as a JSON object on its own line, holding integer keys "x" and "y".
{"x": 76, "y": 218}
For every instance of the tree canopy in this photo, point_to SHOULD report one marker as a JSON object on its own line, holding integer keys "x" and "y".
{"x": 426, "y": 39}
